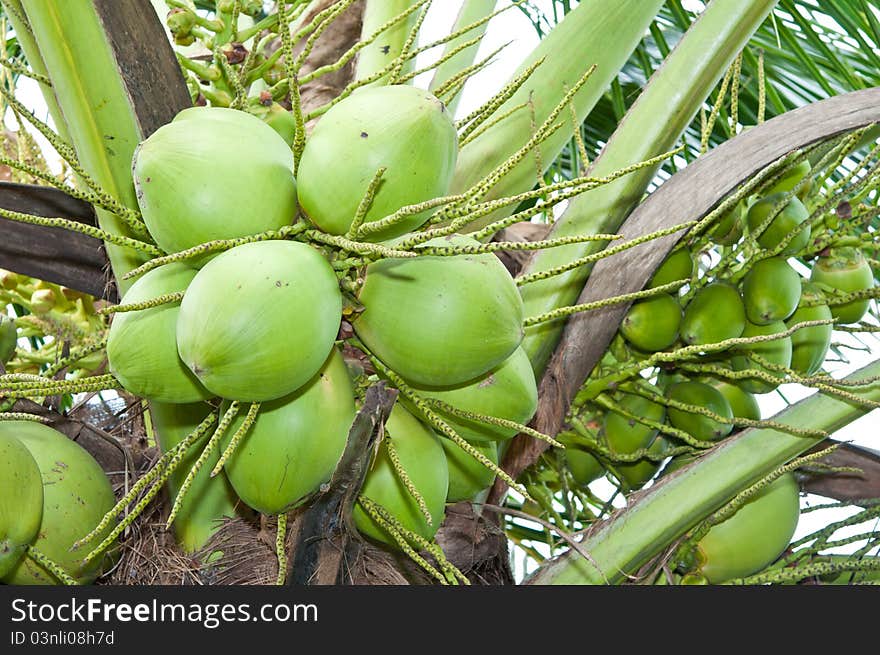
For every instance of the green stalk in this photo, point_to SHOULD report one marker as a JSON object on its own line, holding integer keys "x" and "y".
{"x": 624, "y": 543}
{"x": 15, "y": 14}
{"x": 96, "y": 108}
{"x": 389, "y": 45}
{"x": 471, "y": 12}
{"x": 653, "y": 124}
{"x": 600, "y": 32}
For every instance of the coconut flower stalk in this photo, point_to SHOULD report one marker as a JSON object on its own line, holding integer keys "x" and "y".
{"x": 654, "y": 123}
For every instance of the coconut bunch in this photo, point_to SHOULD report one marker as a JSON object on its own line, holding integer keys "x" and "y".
{"x": 747, "y": 301}
{"x": 272, "y": 266}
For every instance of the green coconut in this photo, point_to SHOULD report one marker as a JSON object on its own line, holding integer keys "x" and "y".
{"x": 402, "y": 128}
{"x": 422, "y": 457}
{"x": 467, "y": 476}
{"x": 76, "y": 496}
{"x": 809, "y": 345}
{"x": 845, "y": 270}
{"x": 652, "y": 324}
{"x": 213, "y": 173}
{"x": 755, "y": 536}
{"x": 742, "y": 403}
{"x": 775, "y": 351}
{"x": 583, "y": 465}
{"x": 295, "y": 443}
{"x": 209, "y": 500}
{"x": 678, "y": 265}
{"x": 715, "y": 313}
{"x": 508, "y": 391}
{"x": 258, "y": 321}
{"x": 729, "y": 227}
{"x": 625, "y": 435}
{"x": 279, "y": 119}
{"x": 21, "y": 501}
{"x": 791, "y": 177}
{"x": 792, "y": 215}
{"x": 440, "y": 320}
{"x": 771, "y": 291}
{"x": 697, "y": 425}
{"x": 142, "y": 345}
{"x": 8, "y": 338}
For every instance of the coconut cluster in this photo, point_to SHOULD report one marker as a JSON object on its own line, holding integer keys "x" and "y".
{"x": 769, "y": 299}
{"x": 260, "y": 322}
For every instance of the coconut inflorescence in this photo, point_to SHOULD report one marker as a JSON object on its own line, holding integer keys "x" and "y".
{"x": 270, "y": 264}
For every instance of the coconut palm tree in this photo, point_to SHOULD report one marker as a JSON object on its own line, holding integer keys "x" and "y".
{"x": 635, "y": 124}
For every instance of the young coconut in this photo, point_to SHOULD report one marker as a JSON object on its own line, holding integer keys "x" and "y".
{"x": 699, "y": 426}
{"x": 209, "y": 500}
{"x": 755, "y": 536}
{"x": 142, "y": 345}
{"x": 583, "y": 465}
{"x": 791, "y": 177}
{"x": 21, "y": 501}
{"x": 76, "y": 496}
{"x": 463, "y": 314}
{"x": 467, "y": 476}
{"x": 624, "y": 436}
{"x": 678, "y": 265}
{"x": 508, "y": 391}
{"x": 400, "y": 128}
{"x": 810, "y": 345}
{"x": 213, "y": 173}
{"x": 771, "y": 291}
{"x": 258, "y": 321}
{"x": 294, "y": 444}
{"x": 652, "y": 324}
{"x": 775, "y": 351}
{"x": 424, "y": 461}
{"x": 715, "y": 313}
{"x": 8, "y": 338}
{"x": 845, "y": 270}
{"x": 793, "y": 214}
